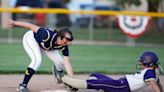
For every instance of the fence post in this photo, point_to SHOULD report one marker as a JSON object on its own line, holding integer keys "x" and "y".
{"x": 4, "y": 16}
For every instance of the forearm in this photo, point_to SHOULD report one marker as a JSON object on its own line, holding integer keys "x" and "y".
{"x": 157, "y": 90}
{"x": 68, "y": 67}
{"x": 154, "y": 86}
{"x": 160, "y": 87}
{"x": 26, "y": 25}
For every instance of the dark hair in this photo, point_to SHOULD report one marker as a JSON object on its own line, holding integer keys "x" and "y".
{"x": 63, "y": 31}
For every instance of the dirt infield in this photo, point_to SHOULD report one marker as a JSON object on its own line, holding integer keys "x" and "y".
{"x": 45, "y": 83}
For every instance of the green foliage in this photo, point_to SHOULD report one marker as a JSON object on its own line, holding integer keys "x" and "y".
{"x": 99, "y": 34}
{"x": 129, "y": 2}
{"x": 155, "y": 1}
{"x": 153, "y": 5}
{"x": 84, "y": 58}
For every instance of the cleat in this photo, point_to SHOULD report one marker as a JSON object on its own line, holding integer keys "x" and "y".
{"x": 72, "y": 89}
{"x": 58, "y": 74}
{"x": 22, "y": 88}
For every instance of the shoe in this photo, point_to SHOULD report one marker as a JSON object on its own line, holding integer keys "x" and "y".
{"x": 22, "y": 88}
{"x": 72, "y": 89}
{"x": 58, "y": 74}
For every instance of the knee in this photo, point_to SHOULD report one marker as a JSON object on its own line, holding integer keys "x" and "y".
{"x": 59, "y": 62}
{"x": 93, "y": 74}
{"x": 38, "y": 60}
{"x": 35, "y": 64}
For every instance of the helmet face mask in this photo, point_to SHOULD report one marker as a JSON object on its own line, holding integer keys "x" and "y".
{"x": 140, "y": 66}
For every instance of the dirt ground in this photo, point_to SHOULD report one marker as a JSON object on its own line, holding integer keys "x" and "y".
{"x": 45, "y": 83}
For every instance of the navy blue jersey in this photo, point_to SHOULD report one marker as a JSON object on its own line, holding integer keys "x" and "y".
{"x": 46, "y": 39}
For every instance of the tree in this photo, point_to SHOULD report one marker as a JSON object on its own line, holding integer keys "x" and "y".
{"x": 153, "y": 5}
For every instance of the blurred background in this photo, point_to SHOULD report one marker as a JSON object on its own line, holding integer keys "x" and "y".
{"x": 88, "y": 27}
{"x": 98, "y": 25}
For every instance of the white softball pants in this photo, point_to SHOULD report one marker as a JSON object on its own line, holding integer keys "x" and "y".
{"x": 35, "y": 52}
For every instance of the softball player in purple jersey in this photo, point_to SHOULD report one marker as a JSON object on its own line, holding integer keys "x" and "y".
{"x": 148, "y": 75}
{"x": 41, "y": 39}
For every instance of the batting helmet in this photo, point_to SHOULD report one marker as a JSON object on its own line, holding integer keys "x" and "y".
{"x": 149, "y": 58}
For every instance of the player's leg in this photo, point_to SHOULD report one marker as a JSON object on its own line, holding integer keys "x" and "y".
{"x": 97, "y": 76}
{"x": 75, "y": 83}
{"x": 106, "y": 84}
{"x": 33, "y": 50}
{"x": 109, "y": 84}
{"x": 58, "y": 67}
{"x": 57, "y": 74}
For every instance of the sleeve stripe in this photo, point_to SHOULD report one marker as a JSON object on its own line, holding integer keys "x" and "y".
{"x": 150, "y": 79}
{"x": 52, "y": 40}
{"x": 48, "y": 33}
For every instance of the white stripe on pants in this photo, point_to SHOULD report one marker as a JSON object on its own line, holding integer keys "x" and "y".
{"x": 34, "y": 51}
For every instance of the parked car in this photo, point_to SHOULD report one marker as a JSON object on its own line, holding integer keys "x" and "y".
{"x": 83, "y": 20}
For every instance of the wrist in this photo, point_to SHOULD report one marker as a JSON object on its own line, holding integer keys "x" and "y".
{"x": 13, "y": 22}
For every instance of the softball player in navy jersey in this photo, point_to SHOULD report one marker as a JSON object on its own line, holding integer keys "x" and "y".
{"x": 41, "y": 39}
{"x": 148, "y": 75}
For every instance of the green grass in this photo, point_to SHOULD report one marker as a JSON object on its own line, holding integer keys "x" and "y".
{"x": 150, "y": 36}
{"x": 84, "y": 58}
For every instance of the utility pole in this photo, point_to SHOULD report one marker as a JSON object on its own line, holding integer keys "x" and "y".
{"x": 4, "y": 15}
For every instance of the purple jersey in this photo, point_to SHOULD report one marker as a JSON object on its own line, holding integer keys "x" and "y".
{"x": 141, "y": 79}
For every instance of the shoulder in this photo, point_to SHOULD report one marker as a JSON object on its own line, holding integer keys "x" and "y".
{"x": 149, "y": 74}
{"x": 44, "y": 29}
{"x": 150, "y": 71}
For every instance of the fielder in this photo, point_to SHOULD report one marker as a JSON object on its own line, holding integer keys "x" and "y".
{"x": 42, "y": 39}
{"x": 148, "y": 75}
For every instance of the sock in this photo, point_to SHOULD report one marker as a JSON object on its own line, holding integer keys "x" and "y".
{"x": 76, "y": 83}
{"x": 28, "y": 74}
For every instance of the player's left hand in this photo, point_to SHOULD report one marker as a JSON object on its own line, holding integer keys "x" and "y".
{"x": 10, "y": 22}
